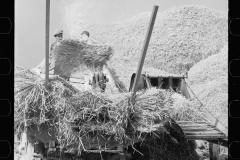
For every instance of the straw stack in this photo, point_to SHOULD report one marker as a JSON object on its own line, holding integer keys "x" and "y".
{"x": 84, "y": 120}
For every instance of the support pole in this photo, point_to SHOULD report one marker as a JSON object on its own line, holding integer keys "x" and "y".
{"x": 144, "y": 51}
{"x": 47, "y": 42}
{"x": 111, "y": 80}
{"x": 214, "y": 151}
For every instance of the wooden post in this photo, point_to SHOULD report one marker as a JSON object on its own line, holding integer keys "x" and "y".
{"x": 30, "y": 151}
{"x": 170, "y": 82}
{"x": 144, "y": 51}
{"x": 111, "y": 81}
{"x": 223, "y": 156}
{"x": 214, "y": 150}
{"x": 47, "y": 42}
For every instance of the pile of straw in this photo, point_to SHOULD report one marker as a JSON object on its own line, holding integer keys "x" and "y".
{"x": 182, "y": 36}
{"x": 86, "y": 120}
{"x": 209, "y": 81}
{"x": 71, "y": 54}
{"x": 185, "y": 109}
{"x": 34, "y": 104}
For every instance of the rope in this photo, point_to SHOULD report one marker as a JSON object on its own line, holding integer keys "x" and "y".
{"x": 203, "y": 105}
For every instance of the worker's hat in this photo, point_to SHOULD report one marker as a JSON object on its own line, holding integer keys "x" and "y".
{"x": 85, "y": 32}
{"x": 57, "y": 32}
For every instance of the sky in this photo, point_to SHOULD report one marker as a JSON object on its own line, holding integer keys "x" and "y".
{"x": 30, "y": 17}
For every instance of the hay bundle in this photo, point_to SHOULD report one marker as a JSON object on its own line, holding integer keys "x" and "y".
{"x": 112, "y": 121}
{"x": 186, "y": 110}
{"x": 86, "y": 120}
{"x": 109, "y": 120}
{"x": 71, "y": 54}
{"x": 34, "y": 104}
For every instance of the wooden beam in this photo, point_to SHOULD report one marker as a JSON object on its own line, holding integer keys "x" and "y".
{"x": 214, "y": 151}
{"x": 205, "y": 137}
{"x": 111, "y": 80}
{"x": 223, "y": 156}
{"x": 203, "y": 132}
{"x": 47, "y": 42}
{"x": 221, "y": 142}
{"x": 144, "y": 50}
{"x": 191, "y": 122}
{"x": 170, "y": 82}
{"x": 197, "y": 129}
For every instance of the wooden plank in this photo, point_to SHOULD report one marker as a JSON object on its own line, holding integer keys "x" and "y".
{"x": 194, "y": 125}
{"x": 197, "y": 129}
{"x": 213, "y": 137}
{"x": 204, "y": 133}
{"x": 200, "y": 129}
{"x": 204, "y": 137}
{"x": 214, "y": 151}
{"x": 222, "y": 142}
{"x": 190, "y": 122}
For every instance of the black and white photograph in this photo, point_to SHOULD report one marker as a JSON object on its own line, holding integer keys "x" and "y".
{"x": 121, "y": 80}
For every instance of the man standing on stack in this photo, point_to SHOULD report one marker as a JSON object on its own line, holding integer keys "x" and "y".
{"x": 85, "y": 37}
{"x": 58, "y": 34}
{"x": 95, "y": 79}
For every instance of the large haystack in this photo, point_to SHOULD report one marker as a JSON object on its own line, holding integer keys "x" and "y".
{"x": 209, "y": 81}
{"x": 182, "y": 36}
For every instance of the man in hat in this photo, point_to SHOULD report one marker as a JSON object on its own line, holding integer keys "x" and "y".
{"x": 85, "y": 36}
{"x": 58, "y": 34}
